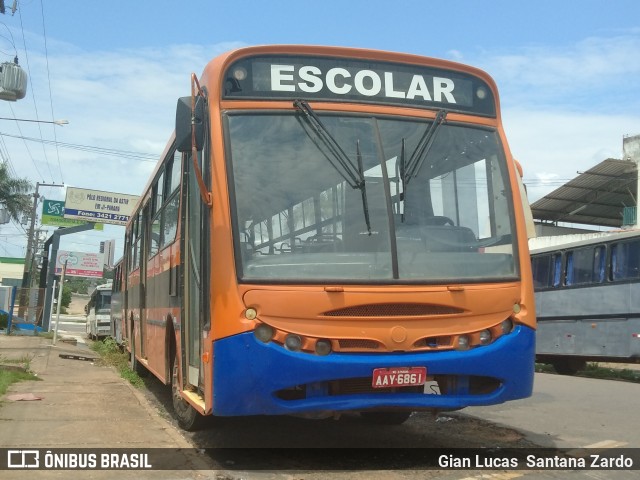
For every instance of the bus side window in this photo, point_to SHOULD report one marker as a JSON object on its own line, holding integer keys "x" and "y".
{"x": 557, "y": 269}
{"x": 599, "y": 264}
{"x": 541, "y": 269}
{"x": 625, "y": 261}
{"x": 583, "y": 267}
{"x": 568, "y": 279}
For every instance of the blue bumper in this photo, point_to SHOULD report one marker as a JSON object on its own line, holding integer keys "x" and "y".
{"x": 247, "y": 374}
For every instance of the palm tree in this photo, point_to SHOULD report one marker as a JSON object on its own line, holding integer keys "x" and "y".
{"x": 13, "y": 193}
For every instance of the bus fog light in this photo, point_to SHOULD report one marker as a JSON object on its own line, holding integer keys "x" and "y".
{"x": 323, "y": 347}
{"x": 463, "y": 342}
{"x": 250, "y": 313}
{"x": 485, "y": 337}
{"x": 293, "y": 342}
{"x": 264, "y": 333}
{"x": 506, "y": 326}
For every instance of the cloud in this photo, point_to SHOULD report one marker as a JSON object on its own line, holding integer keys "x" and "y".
{"x": 596, "y": 72}
{"x": 566, "y": 108}
{"x": 122, "y": 100}
{"x": 557, "y": 144}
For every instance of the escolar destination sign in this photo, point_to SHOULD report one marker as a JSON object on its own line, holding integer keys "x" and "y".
{"x": 98, "y": 206}
{"x": 356, "y": 80}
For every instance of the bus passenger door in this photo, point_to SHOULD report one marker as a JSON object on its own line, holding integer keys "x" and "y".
{"x": 195, "y": 238}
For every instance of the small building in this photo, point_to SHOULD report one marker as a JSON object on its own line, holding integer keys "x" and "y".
{"x": 11, "y": 271}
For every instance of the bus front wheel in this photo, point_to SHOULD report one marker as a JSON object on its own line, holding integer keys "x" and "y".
{"x": 188, "y": 417}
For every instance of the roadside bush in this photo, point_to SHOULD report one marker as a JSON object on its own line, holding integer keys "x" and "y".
{"x": 112, "y": 355}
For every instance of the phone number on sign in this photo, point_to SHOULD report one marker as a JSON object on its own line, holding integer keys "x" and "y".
{"x": 102, "y": 216}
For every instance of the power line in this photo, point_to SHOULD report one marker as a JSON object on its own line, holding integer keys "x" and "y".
{"x": 144, "y": 157}
{"x": 35, "y": 105}
{"x": 46, "y": 56}
{"x": 27, "y": 147}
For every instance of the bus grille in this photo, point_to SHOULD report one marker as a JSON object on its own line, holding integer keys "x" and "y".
{"x": 448, "y": 385}
{"x": 393, "y": 310}
{"x": 359, "y": 344}
{"x": 354, "y": 386}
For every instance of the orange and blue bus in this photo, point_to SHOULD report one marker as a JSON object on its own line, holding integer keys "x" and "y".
{"x": 332, "y": 230}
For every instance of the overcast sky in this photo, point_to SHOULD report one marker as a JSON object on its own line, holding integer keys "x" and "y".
{"x": 568, "y": 74}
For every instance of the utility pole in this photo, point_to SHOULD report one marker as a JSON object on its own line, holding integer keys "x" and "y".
{"x": 26, "y": 275}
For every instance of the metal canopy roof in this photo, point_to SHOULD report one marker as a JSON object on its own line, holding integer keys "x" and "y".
{"x": 595, "y": 197}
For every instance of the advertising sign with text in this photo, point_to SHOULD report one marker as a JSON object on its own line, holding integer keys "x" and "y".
{"x": 53, "y": 214}
{"x": 97, "y": 206}
{"x": 80, "y": 264}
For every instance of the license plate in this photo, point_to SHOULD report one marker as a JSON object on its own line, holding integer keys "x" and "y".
{"x": 398, "y": 377}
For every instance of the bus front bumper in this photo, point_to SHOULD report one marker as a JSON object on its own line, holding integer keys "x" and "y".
{"x": 254, "y": 378}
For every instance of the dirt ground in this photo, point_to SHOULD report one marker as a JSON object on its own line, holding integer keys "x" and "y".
{"x": 78, "y": 302}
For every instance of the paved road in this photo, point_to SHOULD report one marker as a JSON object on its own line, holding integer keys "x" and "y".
{"x": 73, "y": 326}
{"x": 572, "y": 412}
{"x": 564, "y": 412}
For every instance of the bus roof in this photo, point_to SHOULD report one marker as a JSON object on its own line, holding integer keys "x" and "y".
{"x": 562, "y": 242}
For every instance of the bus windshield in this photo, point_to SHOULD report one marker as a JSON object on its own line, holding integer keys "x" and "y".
{"x": 103, "y": 302}
{"x": 362, "y": 198}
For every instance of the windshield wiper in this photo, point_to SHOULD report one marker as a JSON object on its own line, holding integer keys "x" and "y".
{"x": 352, "y": 174}
{"x": 413, "y": 165}
{"x": 411, "y": 168}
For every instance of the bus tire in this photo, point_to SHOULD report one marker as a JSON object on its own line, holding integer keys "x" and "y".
{"x": 569, "y": 366}
{"x": 386, "y": 418}
{"x": 188, "y": 417}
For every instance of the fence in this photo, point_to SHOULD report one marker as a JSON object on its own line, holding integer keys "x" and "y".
{"x": 21, "y": 310}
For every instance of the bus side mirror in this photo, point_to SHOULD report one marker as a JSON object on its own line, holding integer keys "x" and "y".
{"x": 184, "y": 121}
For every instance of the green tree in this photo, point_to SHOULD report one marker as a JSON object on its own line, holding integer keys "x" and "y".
{"x": 13, "y": 193}
{"x": 66, "y": 298}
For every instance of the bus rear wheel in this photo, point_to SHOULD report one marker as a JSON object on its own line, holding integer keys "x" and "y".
{"x": 188, "y": 417}
{"x": 569, "y": 366}
{"x": 386, "y": 418}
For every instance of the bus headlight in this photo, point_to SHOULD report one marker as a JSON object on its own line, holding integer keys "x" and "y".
{"x": 485, "y": 337}
{"x": 293, "y": 342}
{"x": 264, "y": 333}
{"x": 323, "y": 347}
{"x": 506, "y": 326}
{"x": 463, "y": 342}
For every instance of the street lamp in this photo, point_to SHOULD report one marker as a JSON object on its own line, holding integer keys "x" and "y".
{"x": 55, "y": 122}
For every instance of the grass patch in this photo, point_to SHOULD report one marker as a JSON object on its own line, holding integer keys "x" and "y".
{"x": 594, "y": 370}
{"x": 111, "y": 354}
{"x": 24, "y": 360}
{"x": 544, "y": 368}
{"x": 21, "y": 373}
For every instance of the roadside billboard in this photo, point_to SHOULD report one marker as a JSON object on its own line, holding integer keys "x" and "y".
{"x": 80, "y": 264}
{"x": 98, "y": 206}
{"x": 53, "y": 214}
